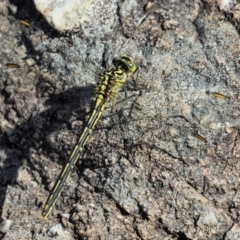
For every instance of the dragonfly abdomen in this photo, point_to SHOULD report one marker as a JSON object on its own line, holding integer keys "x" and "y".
{"x": 68, "y": 168}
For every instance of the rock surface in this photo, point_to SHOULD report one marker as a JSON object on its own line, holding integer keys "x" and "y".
{"x": 143, "y": 175}
{"x": 66, "y": 15}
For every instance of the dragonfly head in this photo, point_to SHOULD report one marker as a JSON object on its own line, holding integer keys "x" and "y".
{"x": 126, "y": 63}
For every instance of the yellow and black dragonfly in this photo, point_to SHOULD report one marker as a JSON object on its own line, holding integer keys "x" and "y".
{"x": 110, "y": 81}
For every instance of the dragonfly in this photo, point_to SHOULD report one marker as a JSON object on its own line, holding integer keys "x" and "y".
{"x": 110, "y": 81}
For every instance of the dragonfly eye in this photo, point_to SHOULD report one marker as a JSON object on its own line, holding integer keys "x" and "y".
{"x": 125, "y": 62}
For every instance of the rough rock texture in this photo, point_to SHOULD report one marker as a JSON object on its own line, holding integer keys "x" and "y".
{"x": 143, "y": 175}
{"x": 67, "y": 14}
